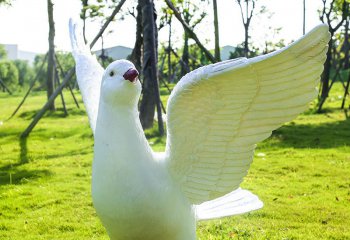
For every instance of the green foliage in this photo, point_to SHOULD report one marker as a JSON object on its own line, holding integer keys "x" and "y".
{"x": 239, "y": 51}
{"x": 65, "y": 60}
{"x": 301, "y": 174}
{"x": 192, "y": 11}
{"x": 25, "y": 72}
{"x": 3, "y": 53}
{"x": 95, "y": 9}
{"x": 196, "y": 59}
{"x": 8, "y": 73}
{"x": 333, "y": 11}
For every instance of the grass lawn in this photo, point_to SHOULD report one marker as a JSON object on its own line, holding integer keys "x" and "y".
{"x": 301, "y": 173}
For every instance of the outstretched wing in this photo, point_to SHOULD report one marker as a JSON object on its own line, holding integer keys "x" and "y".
{"x": 217, "y": 114}
{"x": 89, "y": 73}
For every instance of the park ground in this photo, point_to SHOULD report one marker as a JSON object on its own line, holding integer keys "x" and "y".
{"x": 301, "y": 173}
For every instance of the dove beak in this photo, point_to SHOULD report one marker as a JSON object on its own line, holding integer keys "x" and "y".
{"x": 131, "y": 75}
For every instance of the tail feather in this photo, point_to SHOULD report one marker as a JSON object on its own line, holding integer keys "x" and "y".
{"x": 236, "y": 202}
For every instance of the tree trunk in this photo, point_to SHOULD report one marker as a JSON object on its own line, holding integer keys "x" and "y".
{"x": 325, "y": 77}
{"x": 304, "y": 19}
{"x": 51, "y": 55}
{"x": 85, "y": 4}
{"x": 216, "y": 29}
{"x": 246, "y": 38}
{"x": 185, "y": 52}
{"x": 135, "y": 56}
{"x": 169, "y": 53}
{"x": 150, "y": 97}
{"x": 347, "y": 61}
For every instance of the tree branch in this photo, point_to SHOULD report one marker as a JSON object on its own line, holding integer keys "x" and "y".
{"x": 343, "y": 17}
{"x": 190, "y": 31}
{"x": 115, "y": 11}
{"x": 240, "y": 6}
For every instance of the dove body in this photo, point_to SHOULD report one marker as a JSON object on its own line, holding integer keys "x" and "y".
{"x": 133, "y": 194}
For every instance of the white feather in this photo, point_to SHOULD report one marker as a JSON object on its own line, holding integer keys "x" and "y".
{"x": 236, "y": 202}
{"x": 88, "y": 71}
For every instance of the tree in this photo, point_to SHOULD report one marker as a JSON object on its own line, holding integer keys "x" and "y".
{"x": 151, "y": 97}
{"x": 246, "y": 14}
{"x": 336, "y": 10}
{"x": 51, "y": 54}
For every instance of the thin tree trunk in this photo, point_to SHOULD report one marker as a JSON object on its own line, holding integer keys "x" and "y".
{"x": 325, "y": 77}
{"x": 304, "y": 18}
{"x": 216, "y": 29}
{"x": 246, "y": 37}
{"x": 57, "y": 78}
{"x": 185, "y": 52}
{"x": 69, "y": 87}
{"x": 169, "y": 52}
{"x": 347, "y": 61}
{"x": 346, "y": 92}
{"x": 51, "y": 55}
{"x": 83, "y": 16}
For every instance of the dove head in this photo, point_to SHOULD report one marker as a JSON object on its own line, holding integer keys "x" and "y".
{"x": 120, "y": 84}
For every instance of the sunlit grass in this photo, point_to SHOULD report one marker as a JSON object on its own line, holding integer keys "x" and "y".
{"x": 302, "y": 174}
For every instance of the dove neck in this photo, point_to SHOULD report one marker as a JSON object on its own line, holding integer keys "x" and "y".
{"x": 119, "y": 127}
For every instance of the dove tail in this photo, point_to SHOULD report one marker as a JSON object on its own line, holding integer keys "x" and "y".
{"x": 237, "y": 202}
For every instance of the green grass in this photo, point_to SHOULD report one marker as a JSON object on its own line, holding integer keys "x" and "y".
{"x": 301, "y": 173}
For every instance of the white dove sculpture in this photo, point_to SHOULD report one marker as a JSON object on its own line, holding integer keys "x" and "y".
{"x": 216, "y": 115}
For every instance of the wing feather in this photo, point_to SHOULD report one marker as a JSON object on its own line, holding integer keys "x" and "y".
{"x": 218, "y": 113}
{"x": 89, "y": 74}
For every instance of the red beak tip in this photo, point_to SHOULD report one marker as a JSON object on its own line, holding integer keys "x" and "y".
{"x": 131, "y": 75}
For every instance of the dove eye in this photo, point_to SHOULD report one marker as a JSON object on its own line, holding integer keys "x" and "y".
{"x": 111, "y": 73}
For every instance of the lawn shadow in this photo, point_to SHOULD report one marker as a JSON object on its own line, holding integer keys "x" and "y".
{"x": 59, "y": 113}
{"x": 324, "y": 135}
{"x": 12, "y": 174}
{"x": 82, "y": 152}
